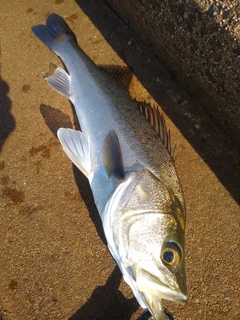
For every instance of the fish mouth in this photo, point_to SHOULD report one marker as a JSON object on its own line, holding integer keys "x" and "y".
{"x": 153, "y": 290}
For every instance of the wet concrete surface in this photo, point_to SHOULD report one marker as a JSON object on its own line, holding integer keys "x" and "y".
{"x": 54, "y": 262}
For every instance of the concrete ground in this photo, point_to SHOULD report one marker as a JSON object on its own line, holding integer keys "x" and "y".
{"x": 54, "y": 263}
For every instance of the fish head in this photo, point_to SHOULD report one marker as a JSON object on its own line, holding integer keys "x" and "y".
{"x": 159, "y": 270}
{"x": 150, "y": 237}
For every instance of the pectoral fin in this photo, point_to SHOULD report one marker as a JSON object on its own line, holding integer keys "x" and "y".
{"x": 76, "y": 146}
{"x": 112, "y": 155}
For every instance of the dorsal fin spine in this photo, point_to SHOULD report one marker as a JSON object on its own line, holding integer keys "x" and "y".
{"x": 156, "y": 120}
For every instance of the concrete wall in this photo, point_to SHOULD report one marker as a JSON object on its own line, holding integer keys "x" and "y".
{"x": 199, "y": 40}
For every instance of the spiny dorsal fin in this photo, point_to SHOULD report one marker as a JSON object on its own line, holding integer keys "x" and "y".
{"x": 156, "y": 119}
{"x": 120, "y": 73}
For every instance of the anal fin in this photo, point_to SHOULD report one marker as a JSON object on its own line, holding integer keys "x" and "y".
{"x": 60, "y": 81}
{"x": 76, "y": 146}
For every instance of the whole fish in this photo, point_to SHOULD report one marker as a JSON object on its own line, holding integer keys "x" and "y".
{"x": 130, "y": 170}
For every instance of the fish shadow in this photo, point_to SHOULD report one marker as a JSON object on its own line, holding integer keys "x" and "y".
{"x": 209, "y": 142}
{"x": 55, "y": 118}
{"x": 100, "y": 305}
{"x": 87, "y": 196}
{"x": 7, "y": 121}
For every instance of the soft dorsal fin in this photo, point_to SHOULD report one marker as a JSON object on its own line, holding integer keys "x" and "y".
{"x": 156, "y": 119}
{"x": 120, "y": 73}
{"x": 112, "y": 155}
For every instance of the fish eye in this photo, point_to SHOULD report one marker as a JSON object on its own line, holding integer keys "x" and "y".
{"x": 171, "y": 254}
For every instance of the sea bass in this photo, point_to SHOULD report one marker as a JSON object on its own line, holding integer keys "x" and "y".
{"x": 130, "y": 171}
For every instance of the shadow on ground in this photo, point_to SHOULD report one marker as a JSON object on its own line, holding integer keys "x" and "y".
{"x": 55, "y": 118}
{"x": 87, "y": 196}
{"x": 7, "y": 122}
{"x": 215, "y": 150}
{"x": 99, "y": 305}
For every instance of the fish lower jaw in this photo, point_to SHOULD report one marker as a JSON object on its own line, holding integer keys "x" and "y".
{"x": 159, "y": 290}
{"x": 168, "y": 294}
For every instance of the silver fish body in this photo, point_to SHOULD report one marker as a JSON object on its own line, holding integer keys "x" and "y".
{"x": 130, "y": 171}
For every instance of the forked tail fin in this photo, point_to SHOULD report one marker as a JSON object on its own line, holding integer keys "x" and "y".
{"x": 54, "y": 33}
